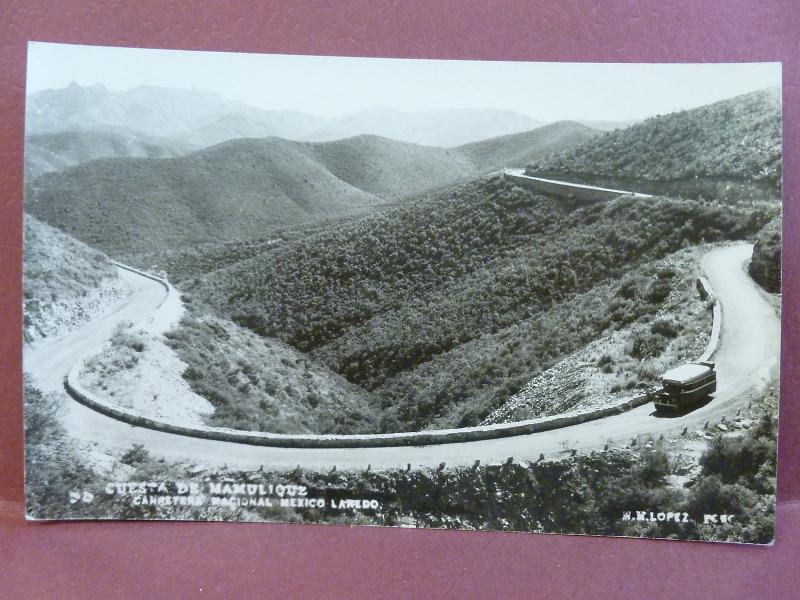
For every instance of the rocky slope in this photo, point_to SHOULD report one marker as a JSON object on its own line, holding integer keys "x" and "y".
{"x": 65, "y": 282}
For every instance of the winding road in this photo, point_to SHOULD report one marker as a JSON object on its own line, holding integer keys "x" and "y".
{"x": 747, "y": 359}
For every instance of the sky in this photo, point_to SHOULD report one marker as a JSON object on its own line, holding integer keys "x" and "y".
{"x": 331, "y": 86}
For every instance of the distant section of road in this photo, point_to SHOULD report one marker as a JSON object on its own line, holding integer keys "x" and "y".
{"x": 567, "y": 189}
{"x": 747, "y": 359}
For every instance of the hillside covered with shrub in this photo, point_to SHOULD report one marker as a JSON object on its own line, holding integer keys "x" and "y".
{"x": 519, "y": 149}
{"x": 594, "y": 494}
{"x": 658, "y": 320}
{"x": 235, "y": 191}
{"x": 58, "y": 151}
{"x": 65, "y": 282}
{"x": 444, "y": 308}
{"x": 765, "y": 267}
{"x": 245, "y": 189}
{"x": 738, "y": 138}
{"x": 262, "y": 384}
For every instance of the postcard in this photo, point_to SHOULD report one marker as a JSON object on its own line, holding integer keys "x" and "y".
{"x": 519, "y": 296}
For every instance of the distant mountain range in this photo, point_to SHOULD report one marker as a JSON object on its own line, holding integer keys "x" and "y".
{"x": 155, "y": 111}
{"x": 445, "y": 128}
{"x": 249, "y": 188}
{"x": 69, "y": 126}
{"x": 200, "y": 118}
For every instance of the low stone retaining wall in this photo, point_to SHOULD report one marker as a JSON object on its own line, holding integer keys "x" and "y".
{"x": 716, "y": 319}
{"x": 160, "y": 280}
{"x": 721, "y": 188}
{"x": 565, "y": 189}
{"x": 416, "y": 438}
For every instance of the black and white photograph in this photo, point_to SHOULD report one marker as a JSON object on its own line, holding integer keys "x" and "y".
{"x": 517, "y": 296}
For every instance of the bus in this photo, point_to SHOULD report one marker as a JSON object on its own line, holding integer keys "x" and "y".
{"x": 686, "y": 385}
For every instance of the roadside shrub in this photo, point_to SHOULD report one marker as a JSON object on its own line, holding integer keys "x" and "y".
{"x": 653, "y": 467}
{"x": 765, "y": 267}
{"x": 628, "y": 289}
{"x": 40, "y": 415}
{"x": 648, "y": 345}
{"x": 658, "y": 291}
{"x": 606, "y": 363}
{"x": 664, "y": 327}
{"x": 137, "y": 454}
{"x": 124, "y": 338}
{"x": 711, "y": 495}
{"x": 750, "y": 458}
{"x": 666, "y": 273}
{"x": 192, "y": 374}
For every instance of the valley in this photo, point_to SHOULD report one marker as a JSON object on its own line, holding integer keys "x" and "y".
{"x": 404, "y": 285}
{"x": 473, "y": 297}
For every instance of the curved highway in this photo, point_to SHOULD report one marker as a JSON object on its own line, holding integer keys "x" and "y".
{"x": 747, "y": 358}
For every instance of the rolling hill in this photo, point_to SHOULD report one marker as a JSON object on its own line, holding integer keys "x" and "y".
{"x": 250, "y": 188}
{"x": 445, "y": 128}
{"x": 391, "y": 169}
{"x": 51, "y": 152}
{"x": 519, "y": 149}
{"x": 239, "y": 190}
{"x": 737, "y": 140}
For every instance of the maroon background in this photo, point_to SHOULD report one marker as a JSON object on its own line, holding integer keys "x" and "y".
{"x": 179, "y": 559}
